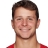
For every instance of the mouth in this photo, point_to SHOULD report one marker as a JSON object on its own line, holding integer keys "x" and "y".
{"x": 24, "y": 30}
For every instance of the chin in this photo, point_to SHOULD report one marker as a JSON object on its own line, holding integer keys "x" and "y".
{"x": 25, "y": 36}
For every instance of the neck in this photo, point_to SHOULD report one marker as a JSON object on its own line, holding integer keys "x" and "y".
{"x": 28, "y": 43}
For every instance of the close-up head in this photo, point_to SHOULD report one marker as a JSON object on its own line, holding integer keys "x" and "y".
{"x": 25, "y": 18}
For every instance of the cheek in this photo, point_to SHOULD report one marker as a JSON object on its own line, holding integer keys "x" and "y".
{"x": 31, "y": 23}
{"x": 17, "y": 24}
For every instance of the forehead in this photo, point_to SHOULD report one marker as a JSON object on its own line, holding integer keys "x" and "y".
{"x": 24, "y": 12}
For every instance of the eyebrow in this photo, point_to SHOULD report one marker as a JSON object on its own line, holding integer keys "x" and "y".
{"x": 17, "y": 16}
{"x": 27, "y": 16}
{"x": 31, "y": 16}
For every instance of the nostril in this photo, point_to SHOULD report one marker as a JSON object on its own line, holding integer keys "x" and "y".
{"x": 24, "y": 23}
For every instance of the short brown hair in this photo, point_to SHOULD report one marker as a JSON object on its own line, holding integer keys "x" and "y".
{"x": 25, "y": 4}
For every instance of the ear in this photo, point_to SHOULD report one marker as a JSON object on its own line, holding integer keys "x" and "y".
{"x": 38, "y": 23}
{"x": 12, "y": 23}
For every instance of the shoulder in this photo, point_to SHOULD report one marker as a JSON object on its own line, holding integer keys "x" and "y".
{"x": 11, "y": 46}
{"x": 43, "y": 46}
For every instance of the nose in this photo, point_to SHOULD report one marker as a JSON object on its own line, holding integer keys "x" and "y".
{"x": 24, "y": 23}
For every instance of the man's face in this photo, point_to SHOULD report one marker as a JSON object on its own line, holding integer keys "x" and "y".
{"x": 25, "y": 22}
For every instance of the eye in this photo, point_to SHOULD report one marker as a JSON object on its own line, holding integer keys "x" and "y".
{"x": 30, "y": 18}
{"x": 19, "y": 18}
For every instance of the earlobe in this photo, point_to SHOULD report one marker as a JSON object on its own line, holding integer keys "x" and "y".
{"x": 38, "y": 23}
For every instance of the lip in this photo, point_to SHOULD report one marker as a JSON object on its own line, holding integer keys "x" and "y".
{"x": 24, "y": 30}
